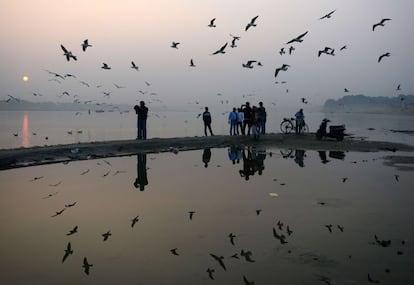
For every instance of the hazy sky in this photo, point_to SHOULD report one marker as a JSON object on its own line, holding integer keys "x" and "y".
{"x": 124, "y": 30}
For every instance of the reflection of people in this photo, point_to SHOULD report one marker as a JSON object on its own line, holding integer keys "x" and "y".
{"x": 299, "y": 156}
{"x": 207, "y": 121}
{"x": 300, "y": 121}
{"x": 252, "y": 162}
{"x": 142, "y": 112}
{"x": 206, "y": 156}
{"x": 232, "y": 152}
{"x": 322, "y": 156}
{"x": 142, "y": 180}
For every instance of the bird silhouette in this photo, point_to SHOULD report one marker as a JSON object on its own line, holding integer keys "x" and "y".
{"x": 288, "y": 230}
{"x": 252, "y": 23}
{"x": 258, "y": 211}
{"x": 247, "y": 255}
{"x": 291, "y": 49}
{"x": 346, "y": 90}
{"x": 280, "y": 225}
{"x": 284, "y": 67}
{"x": 280, "y": 237}
{"x": 398, "y": 87}
{"x": 233, "y": 43}
{"x": 106, "y": 235}
{"x": 175, "y": 45}
{"x": 211, "y": 25}
{"x": 219, "y": 259}
{"x": 232, "y": 236}
{"x": 381, "y": 23}
{"x": 68, "y": 54}
{"x": 105, "y": 66}
{"x": 134, "y": 221}
{"x": 341, "y": 228}
{"x": 71, "y": 205}
{"x": 397, "y": 177}
{"x": 191, "y": 214}
{"x": 282, "y": 51}
{"x": 327, "y": 50}
{"x": 343, "y": 47}
{"x": 68, "y": 251}
{"x": 134, "y": 66}
{"x": 248, "y": 64}
{"x": 86, "y": 266}
{"x": 192, "y": 63}
{"x": 329, "y": 227}
{"x": 174, "y": 251}
{"x": 327, "y": 16}
{"x": 247, "y": 282}
{"x": 236, "y": 256}
{"x": 298, "y": 39}
{"x": 344, "y": 179}
{"x": 86, "y": 171}
{"x": 387, "y": 54}
{"x": 221, "y": 50}
{"x": 59, "y": 212}
{"x": 210, "y": 272}
{"x": 85, "y": 45}
{"x": 72, "y": 231}
{"x": 304, "y": 101}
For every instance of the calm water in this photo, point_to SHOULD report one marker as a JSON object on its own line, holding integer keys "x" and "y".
{"x": 32, "y": 128}
{"x": 305, "y": 190}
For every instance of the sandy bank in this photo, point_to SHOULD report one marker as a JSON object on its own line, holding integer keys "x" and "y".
{"x": 21, "y": 157}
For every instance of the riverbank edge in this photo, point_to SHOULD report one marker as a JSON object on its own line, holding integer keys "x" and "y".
{"x": 40, "y": 155}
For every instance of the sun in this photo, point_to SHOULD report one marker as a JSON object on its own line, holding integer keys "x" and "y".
{"x": 25, "y": 78}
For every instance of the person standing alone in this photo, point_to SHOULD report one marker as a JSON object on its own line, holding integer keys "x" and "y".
{"x": 207, "y": 121}
{"x": 142, "y": 114}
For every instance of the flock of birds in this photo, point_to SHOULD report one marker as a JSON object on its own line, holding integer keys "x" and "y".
{"x": 282, "y": 233}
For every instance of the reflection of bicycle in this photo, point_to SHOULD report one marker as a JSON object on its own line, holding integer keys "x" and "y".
{"x": 289, "y": 125}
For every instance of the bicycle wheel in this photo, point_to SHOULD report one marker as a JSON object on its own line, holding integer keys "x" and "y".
{"x": 305, "y": 129}
{"x": 286, "y": 127}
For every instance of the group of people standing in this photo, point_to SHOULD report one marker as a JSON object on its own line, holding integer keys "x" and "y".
{"x": 242, "y": 119}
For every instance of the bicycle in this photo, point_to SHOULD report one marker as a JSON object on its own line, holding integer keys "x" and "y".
{"x": 289, "y": 125}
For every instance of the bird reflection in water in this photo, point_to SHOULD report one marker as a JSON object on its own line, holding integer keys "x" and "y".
{"x": 142, "y": 179}
{"x": 253, "y": 161}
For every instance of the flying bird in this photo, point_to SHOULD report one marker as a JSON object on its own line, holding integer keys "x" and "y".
{"x": 298, "y": 39}
{"x": 221, "y": 50}
{"x": 59, "y": 212}
{"x": 106, "y": 235}
{"x": 85, "y": 45}
{"x": 346, "y": 90}
{"x": 327, "y": 50}
{"x": 191, "y": 213}
{"x": 71, "y": 205}
{"x": 249, "y": 64}
{"x": 247, "y": 282}
{"x": 211, "y": 25}
{"x": 232, "y": 236}
{"x": 68, "y": 251}
{"x": 134, "y": 66}
{"x": 175, "y": 45}
{"x": 398, "y": 87}
{"x": 343, "y": 47}
{"x": 210, "y": 272}
{"x": 282, "y": 51}
{"x": 134, "y": 221}
{"x": 68, "y": 54}
{"x": 252, "y": 23}
{"x": 387, "y": 54}
{"x": 105, "y": 66}
{"x": 291, "y": 49}
{"x": 219, "y": 259}
{"x": 192, "y": 63}
{"x": 72, "y": 231}
{"x": 381, "y": 23}
{"x": 284, "y": 67}
{"x": 86, "y": 266}
{"x": 327, "y": 16}
{"x": 174, "y": 251}
{"x": 233, "y": 43}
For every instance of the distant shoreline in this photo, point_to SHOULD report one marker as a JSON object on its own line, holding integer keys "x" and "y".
{"x": 23, "y": 157}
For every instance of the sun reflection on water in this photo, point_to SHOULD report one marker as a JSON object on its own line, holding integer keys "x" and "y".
{"x": 25, "y": 131}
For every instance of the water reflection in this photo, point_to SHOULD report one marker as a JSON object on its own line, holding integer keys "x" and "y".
{"x": 206, "y": 156}
{"x": 253, "y": 161}
{"x": 142, "y": 179}
{"x": 235, "y": 154}
{"x": 25, "y": 131}
{"x": 299, "y": 155}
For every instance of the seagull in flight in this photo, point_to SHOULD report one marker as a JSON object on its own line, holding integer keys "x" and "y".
{"x": 192, "y": 63}
{"x": 211, "y": 25}
{"x": 68, "y": 251}
{"x": 85, "y": 45}
{"x": 221, "y": 50}
{"x": 134, "y": 66}
{"x": 327, "y": 16}
{"x": 86, "y": 266}
{"x": 68, "y": 54}
{"x": 219, "y": 259}
{"x": 252, "y": 23}
{"x": 284, "y": 67}
{"x": 382, "y": 23}
{"x": 105, "y": 66}
{"x": 387, "y": 54}
{"x": 175, "y": 45}
{"x": 233, "y": 42}
{"x": 342, "y": 48}
{"x": 249, "y": 64}
{"x": 398, "y": 87}
{"x": 298, "y": 39}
